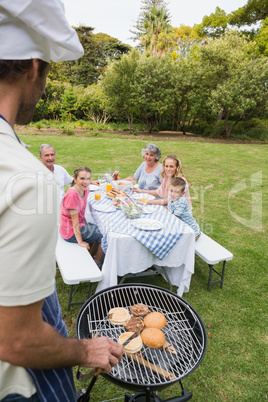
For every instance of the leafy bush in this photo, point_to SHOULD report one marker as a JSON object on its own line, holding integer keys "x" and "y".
{"x": 258, "y": 133}
{"x": 68, "y": 131}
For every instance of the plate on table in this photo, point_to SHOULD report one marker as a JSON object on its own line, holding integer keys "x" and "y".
{"x": 103, "y": 208}
{"x": 147, "y": 224}
{"x": 142, "y": 196}
{"x": 93, "y": 187}
{"x": 150, "y": 209}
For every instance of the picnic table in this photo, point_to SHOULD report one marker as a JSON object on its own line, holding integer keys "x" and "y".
{"x": 131, "y": 250}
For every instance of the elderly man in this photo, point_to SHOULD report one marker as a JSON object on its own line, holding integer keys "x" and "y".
{"x": 47, "y": 155}
{"x": 36, "y": 354}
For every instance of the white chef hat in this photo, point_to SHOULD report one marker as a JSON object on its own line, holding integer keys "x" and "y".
{"x": 37, "y": 29}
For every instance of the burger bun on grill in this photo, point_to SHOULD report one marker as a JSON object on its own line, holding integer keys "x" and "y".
{"x": 155, "y": 320}
{"x": 133, "y": 346}
{"x": 153, "y": 338}
{"x": 118, "y": 315}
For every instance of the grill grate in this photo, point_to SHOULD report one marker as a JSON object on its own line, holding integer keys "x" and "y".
{"x": 184, "y": 331}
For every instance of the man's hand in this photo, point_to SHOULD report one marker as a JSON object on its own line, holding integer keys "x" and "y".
{"x": 102, "y": 353}
{"x": 27, "y": 341}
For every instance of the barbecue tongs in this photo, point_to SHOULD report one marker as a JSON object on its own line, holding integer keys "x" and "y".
{"x": 134, "y": 335}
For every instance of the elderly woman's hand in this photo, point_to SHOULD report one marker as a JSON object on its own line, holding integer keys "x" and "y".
{"x": 137, "y": 190}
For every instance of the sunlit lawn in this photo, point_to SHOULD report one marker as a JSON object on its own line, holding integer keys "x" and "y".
{"x": 229, "y": 195}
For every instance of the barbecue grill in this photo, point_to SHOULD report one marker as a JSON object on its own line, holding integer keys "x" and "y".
{"x": 150, "y": 369}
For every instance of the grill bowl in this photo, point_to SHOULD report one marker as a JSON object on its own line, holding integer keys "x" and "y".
{"x": 184, "y": 330}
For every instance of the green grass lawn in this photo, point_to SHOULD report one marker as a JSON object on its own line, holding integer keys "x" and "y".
{"x": 229, "y": 196}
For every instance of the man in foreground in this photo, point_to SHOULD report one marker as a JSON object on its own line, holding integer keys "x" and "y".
{"x": 36, "y": 354}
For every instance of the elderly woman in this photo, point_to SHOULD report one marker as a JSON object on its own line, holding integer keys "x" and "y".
{"x": 148, "y": 173}
{"x": 171, "y": 167}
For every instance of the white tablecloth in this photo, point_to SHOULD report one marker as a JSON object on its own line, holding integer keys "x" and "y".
{"x": 125, "y": 254}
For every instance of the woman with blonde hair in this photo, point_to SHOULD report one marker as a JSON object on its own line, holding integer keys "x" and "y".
{"x": 171, "y": 167}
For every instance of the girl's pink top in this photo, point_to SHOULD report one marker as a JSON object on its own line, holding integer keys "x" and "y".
{"x": 162, "y": 191}
{"x": 72, "y": 200}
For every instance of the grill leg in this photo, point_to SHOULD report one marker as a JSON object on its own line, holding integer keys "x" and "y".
{"x": 146, "y": 396}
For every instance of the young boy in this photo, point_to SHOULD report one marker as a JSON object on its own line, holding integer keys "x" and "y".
{"x": 178, "y": 205}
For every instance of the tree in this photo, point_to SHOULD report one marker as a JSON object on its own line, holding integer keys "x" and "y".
{"x": 262, "y": 37}
{"x": 242, "y": 94}
{"x": 117, "y": 84}
{"x": 157, "y": 29}
{"x": 94, "y": 104}
{"x": 98, "y": 50}
{"x": 108, "y": 48}
{"x": 84, "y": 70}
{"x": 153, "y": 91}
{"x": 184, "y": 38}
{"x": 214, "y": 25}
{"x": 189, "y": 92}
{"x": 254, "y": 11}
{"x": 140, "y": 29}
{"x": 237, "y": 79}
{"x": 68, "y": 105}
{"x": 50, "y": 104}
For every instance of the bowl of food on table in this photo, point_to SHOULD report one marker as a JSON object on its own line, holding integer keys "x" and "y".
{"x": 131, "y": 210}
{"x": 123, "y": 185}
{"x": 117, "y": 202}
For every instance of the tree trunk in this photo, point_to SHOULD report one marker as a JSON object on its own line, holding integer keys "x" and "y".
{"x": 227, "y": 129}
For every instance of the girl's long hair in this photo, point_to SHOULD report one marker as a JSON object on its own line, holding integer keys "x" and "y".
{"x": 178, "y": 172}
{"x": 77, "y": 171}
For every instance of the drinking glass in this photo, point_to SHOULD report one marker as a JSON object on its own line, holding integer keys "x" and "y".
{"x": 102, "y": 180}
{"x": 133, "y": 181}
{"x": 97, "y": 195}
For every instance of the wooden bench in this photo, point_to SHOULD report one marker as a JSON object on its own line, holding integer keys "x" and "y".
{"x": 212, "y": 253}
{"x": 76, "y": 265}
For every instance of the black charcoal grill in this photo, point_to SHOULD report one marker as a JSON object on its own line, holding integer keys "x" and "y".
{"x": 185, "y": 331}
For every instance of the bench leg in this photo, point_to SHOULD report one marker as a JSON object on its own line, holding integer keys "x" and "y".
{"x": 70, "y": 298}
{"x": 90, "y": 290}
{"x": 209, "y": 276}
{"x": 72, "y": 293}
{"x": 221, "y": 275}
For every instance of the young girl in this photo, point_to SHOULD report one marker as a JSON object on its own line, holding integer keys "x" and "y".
{"x": 171, "y": 167}
{"x": 73, "y": 227}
